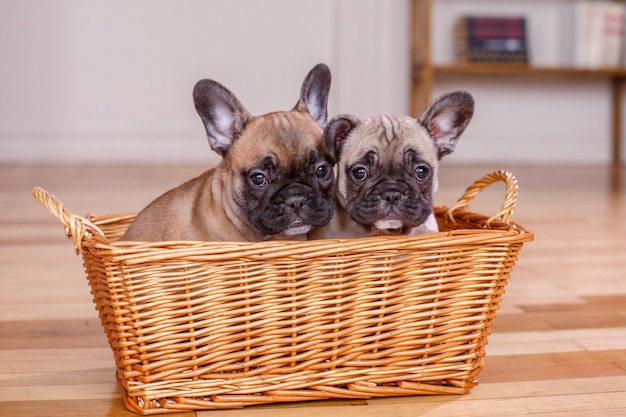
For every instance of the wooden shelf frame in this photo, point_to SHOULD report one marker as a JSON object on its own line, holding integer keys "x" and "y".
{"x": 424, "y": 73}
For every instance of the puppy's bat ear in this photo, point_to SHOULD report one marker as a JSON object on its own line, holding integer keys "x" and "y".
{"x": 314, "y": 94}
{"x": 337, "y": 131}
{"x": 223, "y": 116}
{"x": 446, "y": 118}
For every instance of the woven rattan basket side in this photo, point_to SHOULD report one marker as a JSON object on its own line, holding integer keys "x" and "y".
{"x": 213, "y": 325}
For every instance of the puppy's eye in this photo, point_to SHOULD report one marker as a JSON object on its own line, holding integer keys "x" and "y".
{"x": 422, "y": 172}
{"x": 258, "y": 179}
{"x": 359, "y": 173}
{"x": 323, "y": 171}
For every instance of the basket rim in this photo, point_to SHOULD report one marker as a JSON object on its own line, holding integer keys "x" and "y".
{"x": 130, "y": 252}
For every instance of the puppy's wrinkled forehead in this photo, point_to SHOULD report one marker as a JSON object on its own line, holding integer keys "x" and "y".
{"x": 390, "y": 137}
{"x": 289, "y": 137}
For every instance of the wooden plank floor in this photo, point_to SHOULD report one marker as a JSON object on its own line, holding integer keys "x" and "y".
{"x": 559, "y": 342}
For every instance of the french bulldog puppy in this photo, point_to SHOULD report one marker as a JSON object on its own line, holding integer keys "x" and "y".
{"x": 275, "y": 179}
{"x": 387, "y": 168}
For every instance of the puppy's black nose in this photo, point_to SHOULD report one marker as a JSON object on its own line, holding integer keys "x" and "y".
{"x": 295, "y": 196}
{"x": 392, "y": 197}
{"x": 296, "y": 202}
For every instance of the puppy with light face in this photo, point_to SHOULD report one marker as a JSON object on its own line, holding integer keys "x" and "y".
{"x": 387, "y": 168}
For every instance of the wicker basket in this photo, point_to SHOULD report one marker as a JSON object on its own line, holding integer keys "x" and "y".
{"x": 214, "y": 325}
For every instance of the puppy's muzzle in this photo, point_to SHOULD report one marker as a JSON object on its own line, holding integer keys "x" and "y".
{"x": 296, "y": 200}
{"x": 392, "y": 206}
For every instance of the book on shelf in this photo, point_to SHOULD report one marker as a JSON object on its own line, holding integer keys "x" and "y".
{"x": 493, "y": 39}
{"x": 599, "y": 33}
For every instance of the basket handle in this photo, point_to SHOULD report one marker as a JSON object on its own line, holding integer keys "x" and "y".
{"x": 510, "y": 196}
{"x": 76, "y": 227}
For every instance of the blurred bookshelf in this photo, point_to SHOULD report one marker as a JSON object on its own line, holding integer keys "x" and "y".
{"x": 425, "y": 72}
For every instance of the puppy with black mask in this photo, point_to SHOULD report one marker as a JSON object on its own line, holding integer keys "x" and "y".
{"x": 275, "y": 179}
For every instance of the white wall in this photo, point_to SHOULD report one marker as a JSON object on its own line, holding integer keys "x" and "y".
{"x": 111, "y": 80}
